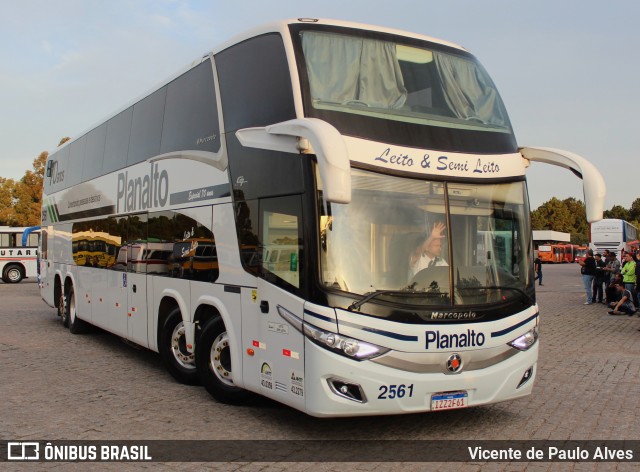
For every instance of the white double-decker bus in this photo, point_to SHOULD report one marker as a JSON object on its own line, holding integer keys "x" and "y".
{"x": 616, "y": 235}
{"x": 18, "y": 253}
{"x": 334, "y": 216}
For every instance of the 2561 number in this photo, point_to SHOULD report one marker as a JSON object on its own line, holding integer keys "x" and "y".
{"x": 388, "y": 392}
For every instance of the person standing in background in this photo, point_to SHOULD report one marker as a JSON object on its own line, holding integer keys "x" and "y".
{"x": 628, "y": 272}
{"x": 537, "y": 267}
{"x": 588, "y": 271}
{"x": 599, "y": 280}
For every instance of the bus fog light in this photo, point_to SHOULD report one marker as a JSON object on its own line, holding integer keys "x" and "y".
{"x": 348, "y": 390}
{"x": 524, "y": 342}
{"x": 526, "y": 377}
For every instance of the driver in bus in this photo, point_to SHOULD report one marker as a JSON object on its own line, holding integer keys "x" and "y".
{"x": 429, "y": 251}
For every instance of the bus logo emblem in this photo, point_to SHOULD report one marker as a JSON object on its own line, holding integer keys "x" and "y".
{"x": 454, "y": 363}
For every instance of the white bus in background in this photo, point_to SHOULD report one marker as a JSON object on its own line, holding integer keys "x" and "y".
{"x": 18, "y": 255}
{"x": 615, "y": 235}
{"x": 308, "y": 159}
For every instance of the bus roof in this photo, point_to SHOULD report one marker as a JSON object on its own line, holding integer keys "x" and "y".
{"x": 283, "y": 25}
{"x": 273, "y": 27}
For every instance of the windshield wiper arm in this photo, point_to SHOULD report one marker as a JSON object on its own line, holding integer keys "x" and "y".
{"x": 358, "y": 303}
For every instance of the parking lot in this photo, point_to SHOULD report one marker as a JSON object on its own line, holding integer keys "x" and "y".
{"x": 58, "y": 386}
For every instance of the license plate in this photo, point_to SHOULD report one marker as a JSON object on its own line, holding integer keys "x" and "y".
{"x": 449, "y": 400}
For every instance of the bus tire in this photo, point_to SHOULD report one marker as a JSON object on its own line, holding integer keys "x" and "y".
{"x": 213, "y": 360}
{"x": 12, "y": 274}
{"x": 63, "y": 308}
{"x": 173, "y": 350}
{"x": 76, "y": 325}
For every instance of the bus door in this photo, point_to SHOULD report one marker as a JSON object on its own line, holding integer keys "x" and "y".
{"x": 138, "y": 257}
{"x": 276, "y": 369}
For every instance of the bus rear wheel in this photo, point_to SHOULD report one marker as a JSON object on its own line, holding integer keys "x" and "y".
{"x": 213, "y": 361}
{"x": 173, "y": 350}
{"x": 12, "y": 274}
{"x": 76, "y": 325}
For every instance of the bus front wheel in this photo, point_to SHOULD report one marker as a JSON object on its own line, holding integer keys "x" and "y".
{"x": 213, "y": 361}
{"x": 12, "y": 274}
{"x": 173, "y": 350}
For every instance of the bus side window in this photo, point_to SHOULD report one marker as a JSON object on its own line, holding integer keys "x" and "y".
{"x": 146, "y": 127}
{"x": 255, "y": 85}
{"x": 281, "y": 238}
{"x": 184, "y": 244}
{"x": 190, "y": 114}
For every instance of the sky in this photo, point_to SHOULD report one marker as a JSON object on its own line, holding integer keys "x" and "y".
{"x": 567, "y": 70}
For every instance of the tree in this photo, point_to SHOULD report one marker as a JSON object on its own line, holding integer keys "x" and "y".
{"x": 617, "y": 212}
{"x": 28, "y": 194}
{"x": 578, "y": 211}
{"x": 553, "y": 215}
{"x": 20, "y": 202}
{"x": 7, "y": 212}
{"x": 634, "y": 211}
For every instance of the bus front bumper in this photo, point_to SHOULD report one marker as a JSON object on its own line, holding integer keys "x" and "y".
{"x": 338, "y": 386}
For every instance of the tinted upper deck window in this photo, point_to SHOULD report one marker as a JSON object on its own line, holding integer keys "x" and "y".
{"x": 117, "y": 143}
{"x": 191, "y": 115}
{"x": 146, "y": 128}
{"x": 94, "y": 152}
{"x": 255, "y": 83}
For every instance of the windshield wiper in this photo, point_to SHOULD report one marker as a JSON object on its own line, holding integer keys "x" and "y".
{"x": 358, "y": 303}
{"x": 500, "y": 287}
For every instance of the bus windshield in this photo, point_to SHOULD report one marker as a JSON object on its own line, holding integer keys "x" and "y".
{"x": 428, "y": 243}
{"x": 416, "y": 83}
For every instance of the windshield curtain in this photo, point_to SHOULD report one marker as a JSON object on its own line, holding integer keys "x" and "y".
{"x": 428, "y": 243}
{"x": 366, "y": 76}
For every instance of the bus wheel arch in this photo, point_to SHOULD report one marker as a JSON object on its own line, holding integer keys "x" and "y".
{"x": 213, "y": 363}
{"x": 76, "y": 325}
{"x": 172, "y": 343}
{"x": 13, "y": 273}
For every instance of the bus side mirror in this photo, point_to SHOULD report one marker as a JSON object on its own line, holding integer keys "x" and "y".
{"x": 593, "y": 184}
{"x": 309, "y": 136}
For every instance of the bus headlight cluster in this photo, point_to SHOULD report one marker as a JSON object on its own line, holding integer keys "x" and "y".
{"x": 349, "y": 347}
{"x": 524, "y": 342}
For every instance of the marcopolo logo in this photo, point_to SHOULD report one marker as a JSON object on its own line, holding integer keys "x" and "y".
{"x": 436, "y": 340}
{"x": 460, "y": 315}
{"x": 143, "y": 192}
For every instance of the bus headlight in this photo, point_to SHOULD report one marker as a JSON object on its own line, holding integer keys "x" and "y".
{"x": 348, "y": 347}
{"x": 524, "y": 342}
{"x": 343, "y": 345}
